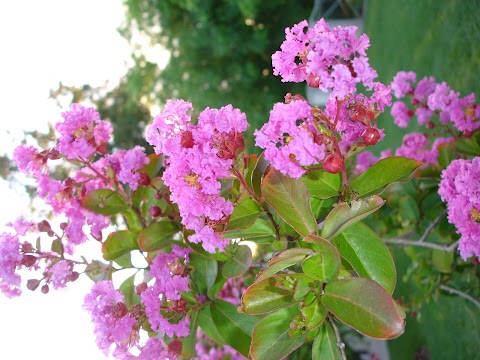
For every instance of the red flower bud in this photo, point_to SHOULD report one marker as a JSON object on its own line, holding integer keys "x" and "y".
{"x": 45, "y": 289}
{"x": 333, "y": 163}
{"x": 119, "y": 310}
{"x": 313, "y": 80}
{"x": 144, "y": 179}
{"x": 175, "y": 347}
{"x": 44, "y": 226}
{"x": 140, "y": 288}
{"x": 187, "y": 139}
{"x": 370, "y": 136}
{"x": 154, "y": 211}
{"x": 33, "y": 284}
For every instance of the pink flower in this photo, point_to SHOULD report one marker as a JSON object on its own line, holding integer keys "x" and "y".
{"x": 59, "y": 273}
{"x": 113, "y": 324}
{"x": 415, "y": 146}
{"x": 424, "y": 88}
{"x": 402, "y": 83}
{"x": 126, "y": 164}
{"x": 329, "y": 59}
{"x": 154, "y": 349}
{"x": 82, "y": 132}
{"x": 199, "y": 157}
{"x": 169, "y": 272}
{"x": 10, "y": 258}
{"x": 289, "y": 146}
{"x": 423, "y": 115}
{"x": 401, "y": 114}
{"x": 459, "y": 188}
{"x": 27, "y": 159}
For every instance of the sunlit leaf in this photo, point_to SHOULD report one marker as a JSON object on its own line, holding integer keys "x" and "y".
{"x": 104, "y": 201}
{"x": 118, "y": 244}
{"x": 157, "y": 235}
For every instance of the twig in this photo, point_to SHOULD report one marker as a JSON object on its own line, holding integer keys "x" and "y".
{"x": 418, "y": 243}
{"x": 432, "y": 225}
{"x": 461, "y": 294}
{"x": 340, "y": 343}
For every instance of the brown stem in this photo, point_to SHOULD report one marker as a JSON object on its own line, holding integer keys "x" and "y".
{"x": 340, "y": 344}
{"x": 417, "y": 243}
{"x": 461, "y": 294}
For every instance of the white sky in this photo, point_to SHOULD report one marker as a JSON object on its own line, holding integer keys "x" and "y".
{"x": 43, "y": 43}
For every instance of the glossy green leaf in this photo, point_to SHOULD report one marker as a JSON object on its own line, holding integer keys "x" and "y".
{"x": 270, "y": 338}
{"x": 124, "y": 261}
{"x": 257, "y": 173}
{"x": 367, "y": 254}
{"x": 118, "y": 244}
{"x": 469, "y": 145}
{"x": 207, "y": 325}
{"x": 321, "y": 207}
{"x": 236, "y": 328}
{"x": 283, "y": 260}
{"x": 189, "y": 342}
{"x": 157, "y": 235}
{"x": 216, "y": 286}
{"x": 325, "y": 344}
{"x": 269, "y": 294}
{"x": 321, "y": 184}
{"x": 244, "y": 215}
{"x": 314, "y": 313}
{"x": 57, "y": 246}
{"x": 204, "y": 272}
{"x": 132, "y": 220}
{"x": 385, "y": 172}
{"x": 104, "y": 201}
{"x": 291, "y": 200}
{"x": 128, "y": 290}
{"x": 344, "y": 215}
{"x": 238, "y": 263}
{"x": 261, "y": 232}
{"x": 325, "y": 264}
{"x": 365, "y": 306}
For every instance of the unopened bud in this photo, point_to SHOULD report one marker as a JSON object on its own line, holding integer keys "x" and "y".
{"x": 333, "y": 163}
{"x": 180, "y": 306}
{"x": 140, "y": 288}
{"x": 187, "y": 139}
{"x": 45, "y": 289}
{"x": 370, "y": 136}
{"x": 33, "y": 284}
{"x": 144, "y": 179}
{"x": 119, "y": 310}
{"x": 467, "y": 133}
{"x": 154, "y": 211}
{"x": 28, "y": 260}
{"x": 51, "y": 233}
{"x": 73, "y": 276}
{"x": 44, "y": 226}
{"x": 27, "y": 247}
{"x": 175, "y": 347}
{"x": 63, "y": 225}
{"x": 158, "y": 195}
{"x": 313, "y": 80}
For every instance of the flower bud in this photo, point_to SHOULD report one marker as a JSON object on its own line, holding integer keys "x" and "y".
{"x": 158, "y": 195}
{"x": 154, "y": 211}
{"x": 119, "y": 310}
{"x": 175, "y": 347}
{"x": 140, "y": 288}
{"x": 28, "y": 260}
{"x": 63, "y": 225}
{"x": 33, "y": 284}
{"x": 187, "y": 139}
{"x": 73, "y": 276}
{"x": 45, "y": 289}
{"x": 44, "y": 226}
{"x": 333, "y": 163}
{"x": 27, "y": 247}
{"x": 313, "y": 80}
{"x": 144, "y": 179}
{"x": 370, "y": 136}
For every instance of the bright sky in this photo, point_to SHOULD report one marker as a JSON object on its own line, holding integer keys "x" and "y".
{"x": 43, "y": 43}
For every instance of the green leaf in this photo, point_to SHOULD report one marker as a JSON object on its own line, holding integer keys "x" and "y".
{"x": 154, "y": 166}
{"x": 364, "y": 305}
{"x": 323, "y": 265}
{"x": 325, "y": 344}
{"x": 104, "y": 201}
{"x": 132, "y": 220}
{"x": 128, "y": 290}
{"x": 442, "y": 260}
{"x": 283, "y": 260}
{"x": 189, "y": 342}
{"x": 118, "y": 244}
{"x": 314, "y": 314}
{"x": 98, "y": 271}
{"x": 344, "y": 215}
{"x": 469, "y": 146}
{"x": 321, "y": 207}
{"x": 321, "y": 184}
{"x": 270, "y": 338}
{"x": 234, "y": 327}
{"x": 244, "y": 215}
{"x": 217, "y": 286}
{"x": 57, "y": 246}
{"x": 207, "y": 325}
{"x": 269, "y": 294}
{"x": 447, "y": 154}
{"x": 385, "y": 172}
{"x": 238, "y": 263}
{"x": 125, "y": 261}
{"x": 367, "y": 254}
{"x": 290, "y": 199}
{"x": 204, "y": 272}
{"x": 261, "y": 232}
{"x": 157, "y": 235}
{"x": 257, "y": 173}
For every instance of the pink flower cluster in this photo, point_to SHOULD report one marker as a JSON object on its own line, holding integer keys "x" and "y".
{"x": 329, "y": 59}
{"x": 199, "y": 157}
{"x": 113, "y": 323}
{"x": 416, "y": 146}
{"x": 429, "y": 98}
{"x": 82, "y": 133}
{"x": 164, "y": 297}
{"x": 10, "y": 259}
{"x": 460, "y": 189}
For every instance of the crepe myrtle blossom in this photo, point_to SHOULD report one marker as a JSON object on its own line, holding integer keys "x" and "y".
{"x": 82, "y": 133}
{"x": 460, "y": 189}
{"x": 164, "y": 296}
{"x": 198, "y": 158}
{"x": 114, "y": 325}
{"x": 329, "y": 59}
